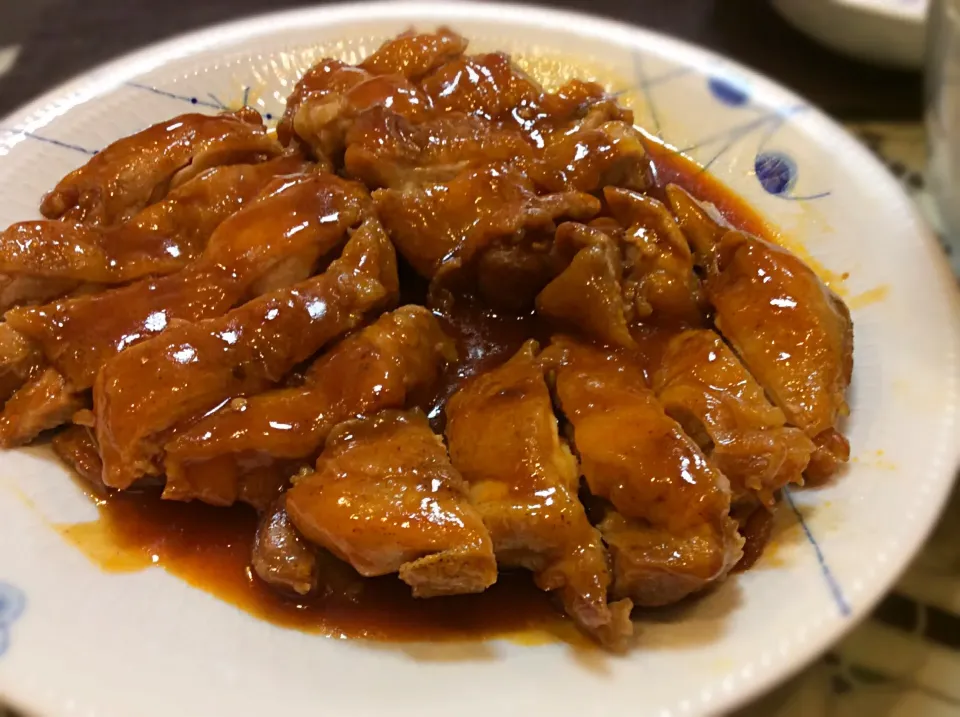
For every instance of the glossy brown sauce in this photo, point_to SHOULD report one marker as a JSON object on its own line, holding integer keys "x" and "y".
{"x": 675, "y": 168}
{"x": 209, "y": 548}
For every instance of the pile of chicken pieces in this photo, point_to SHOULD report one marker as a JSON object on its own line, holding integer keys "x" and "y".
{"x": 214, "y": 306}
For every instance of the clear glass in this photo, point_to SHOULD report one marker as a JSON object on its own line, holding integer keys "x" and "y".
{"x": 943, "y": 113}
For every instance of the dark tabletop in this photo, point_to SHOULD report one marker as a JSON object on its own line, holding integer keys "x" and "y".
{"x": 60, "y": 38}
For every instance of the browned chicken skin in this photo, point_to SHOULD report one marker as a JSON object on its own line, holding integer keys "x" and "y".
{"x": 792, "y": 332}
{"x": 509, "y": 277}
{"x": 273, "y": 242}
{"x": 385, "y": 149}
{"x": 18, "y": 289}
{"x": 281, "y": 557}
{"x": 191, "y": 368}
{"x": 473, "y": 109}
{"x": 523, "y": 481}
{"x": 322, "y": 120}
{"x": 20, "y": 360}
{"x": 409, "y": 56}
{"x": 589, "y": 295}
{"x": 42, "y": 403}
{"x": 377, "y": 368}
{"x": 491, "y": 86}
{"x": 668, "y": 529}
{"x": 132, "y": 172}
{"x": 706, "y": 389}
{"x": 659, "y": 279}
{"x": 701, "y": 224}
{"x": 832, "y": 450}
{"x": 598, "y": 153}
{"x": 635, "y": 266}
{"x": 413, "y": 54}
{"x": 161, "y": 239}
{"x": 326, "y": 77}
{"x": 386, "y": 499}
{"x": 76, "y": 446}
{"x": 443, "y": 227}
{"x": 804, "y": 356}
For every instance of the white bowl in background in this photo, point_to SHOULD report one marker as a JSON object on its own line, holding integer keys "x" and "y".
{"x": 885, "y": 32}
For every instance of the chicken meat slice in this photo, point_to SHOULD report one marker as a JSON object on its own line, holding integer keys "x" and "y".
{"x": 830, "y": 358}
{"x": 273, "y": 242}
{"x": 382, "y": 366}
{"x": 414, "y": 54}
{"x": 793, "y": 334}
{"x": 408, "y": 56}
{"x": 386, "y": 149}
{"x": 668, "y": 526}
{"x": 588, "y": 294}
{"x": 701, "y": 223}
{"x": 386, "y": 499}
{"x": 280, "y": 556}
{"x": 18, "y": 289}
{"x": 161, "y": 239}
{"x": 659, "y": 278}
{"x": 40, "y": 404}
{"x": 330, "y": 96}
{"x": 704, "y": 387}
{"x": 445, "y": 226}
{"x": 492, "y": 87}
{"x": 327, "y": 77}
{"x": 150, "y": 389}
{"x": 20, "y": 360}
{"x": 832, "y": 451}
{"x": 523, "y": 481}
{"x": 140, "y": 169}
{"x": 602, "y": 150}
{"x": 508, "y": 277}
{"x": 76, "y": 446}
{"x": 323, "y": 119}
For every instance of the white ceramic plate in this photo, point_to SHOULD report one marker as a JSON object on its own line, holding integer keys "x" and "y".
{"x": 885, "y": 32}
{"x": 76, "y": 641}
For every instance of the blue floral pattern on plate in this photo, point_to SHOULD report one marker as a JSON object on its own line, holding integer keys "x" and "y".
{"x": 12, "y": 604}
{"x": 775, "y": 170}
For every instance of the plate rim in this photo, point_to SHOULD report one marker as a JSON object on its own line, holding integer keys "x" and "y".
{"x": 95, "y": 82}
{"x": 906, "y": 15}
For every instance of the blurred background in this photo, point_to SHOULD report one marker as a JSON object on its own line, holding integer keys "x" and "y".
{"x": 48, "y": 41}
{"x": 906, "y": 659}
